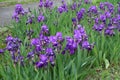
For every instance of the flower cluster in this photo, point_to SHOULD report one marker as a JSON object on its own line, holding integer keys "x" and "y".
{"x": 105, "y": 17}
{"x": 45, "y": 58}
{"x": 79, "y": 17}
{"x": 13, "y": 46}
{"x": 46, "y": 46}
{"x": 107, "y": 21}
{"x": 43, "y": 49}
{"x": 46, "y": 4}
{"x": 63, "y": 7}
{"x": 18, "y": 12}
{"x": 79, "y": 38}
{"x": 106, "y": 6}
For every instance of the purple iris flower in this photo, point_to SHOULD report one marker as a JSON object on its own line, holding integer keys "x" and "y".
{"x": 77, "y": 36}
{"x": 102, "y": 6}
{"x": 40, "y": 18}
{"x": 38, "y": 48}
{"x": 93, "y": 9}
{"x": 74, "y": 6}
{"x": 118, "y": 17}
{"x": 115, "y": 20}
{"x": 11, "y": 46}
{"x": 51, "y": 59}
{"x": 48, "y": 4}
{"x": 35, "y": 41}
{"x": 103, "y": 18}
{"x": 79, "y": 27}
{"x": 43, "y": 57}
{"x": 111, "y": 27}
{"x": 80, "y": 14}
{"x": 109, "y": 32}
{"x": 49, "y": 51}
{"x": 43, "y": 61}
{"x": 16, "y": 17}
{"x": 30, "y": 55}
{"x": 30, "y": 19}
{"x": 44, "y": 29}
{"x": 64, "y": 51}
{"x": 110, "y": 7}
{"x": 60, "y": 9}
{"x": 18, "y": 12}
{"x": 107, "y": 14}
{"x": 53, "y": 40}
{"x": 100, "y": 27}
{"x": 86, "y": 45}
{"x": 56, "y": 41}
{"x": 39, "y": 64}
{"x": 41, "y": 3}
{"x": 44, "y": 40}
{"x": 19, "y": 9}
{"x": 96, "y": 20}
{"x": 82, "y": 10}
{"x": 71, "y": 45}
{"x": 63, "y": 8}
{"x": 74, "y": 21}
{"x": 9, "y": 38}
{"x": 80, "y": 35}
{"x": 95, "y": 26}
{"x": 59, "y": 37}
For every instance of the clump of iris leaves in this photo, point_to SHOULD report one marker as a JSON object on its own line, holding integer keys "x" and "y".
{"x": 61, "y": 43}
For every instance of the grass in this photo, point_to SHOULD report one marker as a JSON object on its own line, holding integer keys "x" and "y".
{"x": 102, "y": 63}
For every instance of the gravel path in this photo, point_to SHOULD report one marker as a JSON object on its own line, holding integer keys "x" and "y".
{"x": 6, "y": 12}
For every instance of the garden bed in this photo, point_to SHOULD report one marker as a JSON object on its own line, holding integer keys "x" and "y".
{"x": 73, "y": 41}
